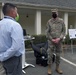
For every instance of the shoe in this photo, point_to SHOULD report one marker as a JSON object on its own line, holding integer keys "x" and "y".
{"x": 59, "y": 70}
{"x": 49, "y": 70}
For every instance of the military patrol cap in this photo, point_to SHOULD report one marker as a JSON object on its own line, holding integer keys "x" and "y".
{"x": 54, "y": 10}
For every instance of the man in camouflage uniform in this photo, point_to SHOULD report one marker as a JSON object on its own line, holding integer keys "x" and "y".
{"x": 55, "y": 31}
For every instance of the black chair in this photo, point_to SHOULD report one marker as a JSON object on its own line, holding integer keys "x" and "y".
{"x": 24, "y": 32}
{"x": 40, "y": 52}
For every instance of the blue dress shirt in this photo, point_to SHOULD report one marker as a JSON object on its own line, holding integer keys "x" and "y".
{"x": 11, "y": 38}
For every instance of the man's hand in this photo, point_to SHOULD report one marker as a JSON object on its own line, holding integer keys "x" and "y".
{"x": 53, "y": 40}
{"x": 56, "y": 40}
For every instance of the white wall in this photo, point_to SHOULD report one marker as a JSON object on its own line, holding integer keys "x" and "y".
{"x": 71, "y": 21}
{"x": 44, "y": 19}
{"x": 28, "y": 23}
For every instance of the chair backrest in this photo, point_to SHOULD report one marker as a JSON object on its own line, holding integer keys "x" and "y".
{"x": 40, "y": 49}
{"x": 24, "y": 32}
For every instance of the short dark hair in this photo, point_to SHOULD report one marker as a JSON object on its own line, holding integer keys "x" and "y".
{"x": 6, "y": 8}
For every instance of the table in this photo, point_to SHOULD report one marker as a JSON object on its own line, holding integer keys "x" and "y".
{"x": 24, "y": 63}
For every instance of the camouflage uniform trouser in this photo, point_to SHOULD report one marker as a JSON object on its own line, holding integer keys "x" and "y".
{"x": 50, "y": 51}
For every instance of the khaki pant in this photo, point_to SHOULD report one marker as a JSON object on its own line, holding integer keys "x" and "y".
{"x": 2, "y": 70}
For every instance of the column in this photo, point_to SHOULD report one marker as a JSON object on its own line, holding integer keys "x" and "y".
{"x": 75, "y": 23}
{"x": 38, "y": 22}
{"x": 66, "y": 21}
{"x": 1, "y": 14}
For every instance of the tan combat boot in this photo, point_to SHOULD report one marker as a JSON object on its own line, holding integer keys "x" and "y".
{"x": 58, "y": 69}
{"x": 49, "y": 70}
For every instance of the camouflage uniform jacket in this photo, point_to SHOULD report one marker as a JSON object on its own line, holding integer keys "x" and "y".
{"x": 55, "y": 29}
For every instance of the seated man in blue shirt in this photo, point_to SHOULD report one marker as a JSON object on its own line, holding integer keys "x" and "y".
{"x": 11, "y": 41}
